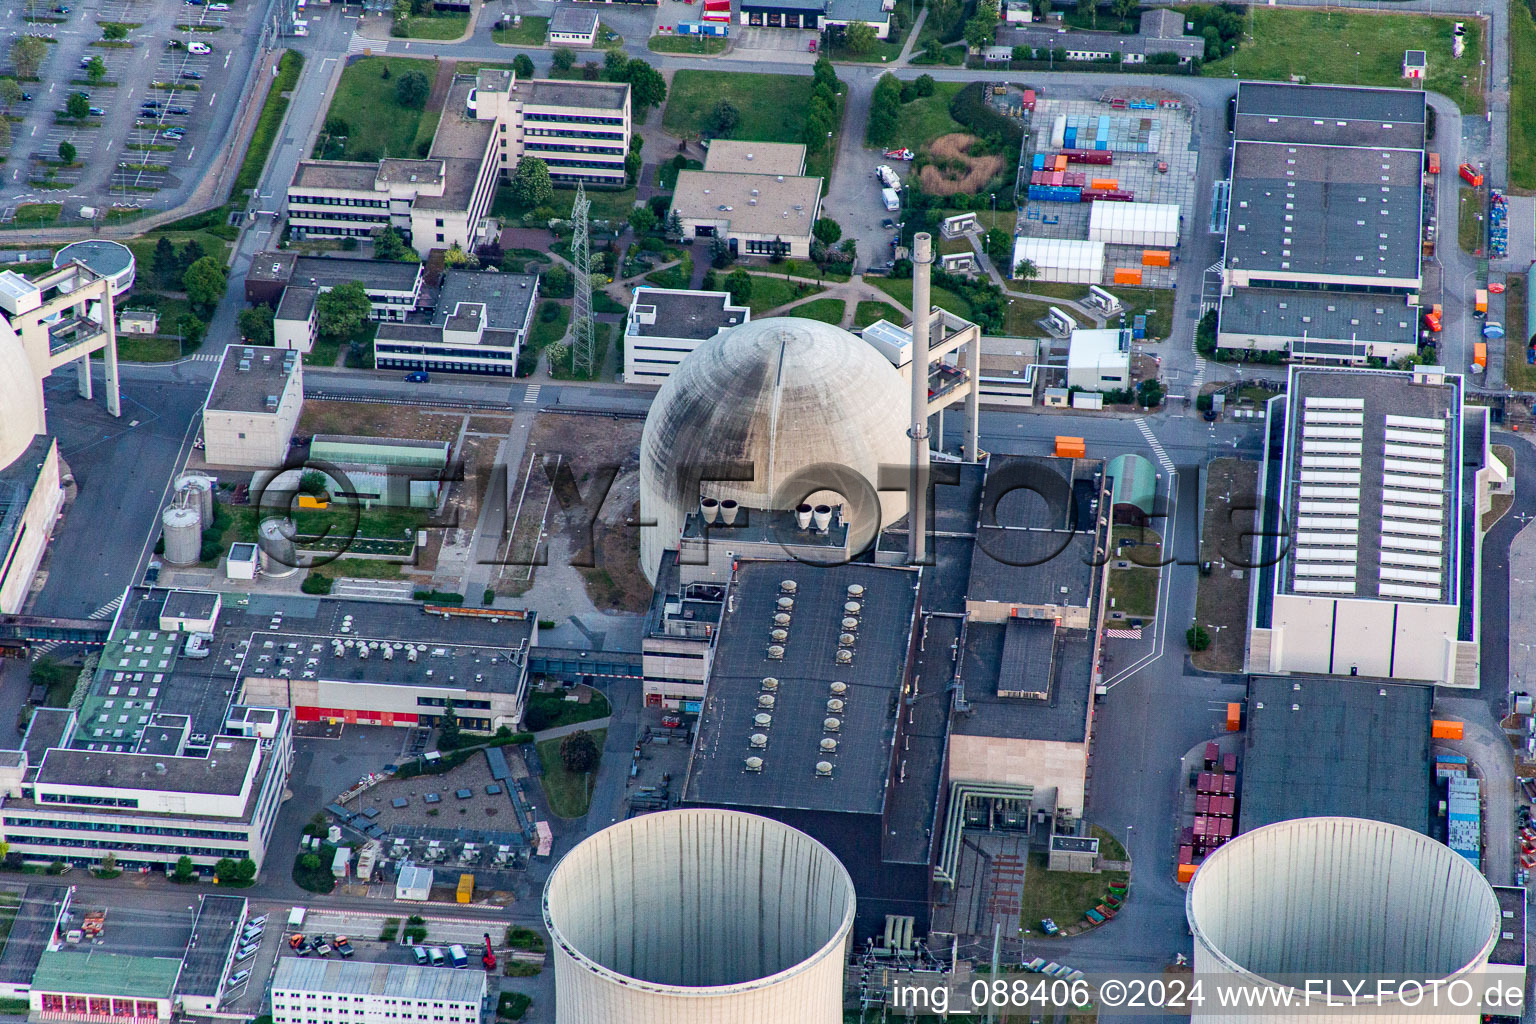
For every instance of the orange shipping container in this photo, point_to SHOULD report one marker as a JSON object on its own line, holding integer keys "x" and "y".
{"x": 1434, "y": 163}
{"x": 1106, "y": 184}
{"x": 1071, "y": 448}
{"x": 1234, "y": 717}
{"x": 1480, "y": 354}
{"x": 1127, "y": 275}
{"x": 1445, "y": 730}
{"x": 1155, "y": 258}
{"x": 1061, "y": 161}
{"x": 1186, "y": 873}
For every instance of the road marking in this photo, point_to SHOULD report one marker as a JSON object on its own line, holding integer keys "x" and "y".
{"x": 1155, "y": 445}
{"x": 531, "y": 396}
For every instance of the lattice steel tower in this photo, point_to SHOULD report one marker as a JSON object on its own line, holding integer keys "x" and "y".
{"x": 582, "y": 333}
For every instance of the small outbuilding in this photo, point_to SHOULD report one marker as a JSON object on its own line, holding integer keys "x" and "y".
{"x": 573, "y": 26}
{"x": 413, "y": 884}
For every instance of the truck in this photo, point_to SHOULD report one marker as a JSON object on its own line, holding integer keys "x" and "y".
{"x": 892, "y": 200}
{"x": 458, "y": 956}
{"x": 1470, "y": 175}
{"x": 295, "y": 917}
{"x": 1433, "y": 161}
{"x": 887, "y": 176}
{"x": 488, "y": 958}
{"x": 1480, "y": 302}
{"x": 94, "y": 922}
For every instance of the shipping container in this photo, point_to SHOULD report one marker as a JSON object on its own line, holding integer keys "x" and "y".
{"x": 1128, "y": 275}
{"x": 1089, "y": 156}
{"x": 1234, "y": 717}
{"x": 1186, "y": 873}
{"x": 1480, "y": 300}
{"x": 1058, "y": 131}
{"x": 1471, "y": 176}
{"x": 1434, "y": 162}
{"x": 1186, "y": 854}
{"x": 1071, "y": 448}
{"x": 1480, "y": 354}
{"x": 1113, "y": 197}
{"x": 466, "y": 888}
{"x": 1029, "y": 99}
{"x": 1156, "y": 258}
{"x": 1444, "y": 730}
{"x": 1139, "y": 326}
{"x": 1038, "y": 163}
{"x": 1106, "y": 184}
{"x": 1229, "y": 785}
{"x": 1229, "y": 763}
{"x": 1055, "y": 194}
{"x": 1060, "y": 162}
{"x": 1202, "y": 803}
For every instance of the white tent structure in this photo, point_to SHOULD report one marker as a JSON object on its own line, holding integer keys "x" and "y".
{"x": 1151, "y": 225}
{"x": 1062, "y": 259}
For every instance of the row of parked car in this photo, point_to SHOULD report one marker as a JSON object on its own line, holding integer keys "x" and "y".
{"x": 250, "y": 942}
{"x": 320, "y": 945}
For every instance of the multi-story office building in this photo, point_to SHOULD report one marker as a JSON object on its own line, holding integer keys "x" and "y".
{"x": 252, "y": 407}
{"x": 479, "y": 324}
{"x": 666, "y": 324}
{"x": 489, "y": 122}
{"x": 753, "y": 195}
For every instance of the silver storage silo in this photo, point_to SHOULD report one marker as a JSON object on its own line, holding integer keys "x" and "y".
{"x": 199, "y": 494}
{"x": 1311, "y": 897}
{"x": 183, "y": 532}
{"x": 279, "y": 555}
{"x": 699, "y": 916}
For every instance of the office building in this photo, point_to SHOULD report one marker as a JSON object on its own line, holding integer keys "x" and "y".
{"x": 479, "y": 325}
{"x": 666, "y": 324}
{"x": 755, "y": 196}
{"x": 394, "y": 288}
{"x": 252, "y": 407}
{"x": 323, "y": 991}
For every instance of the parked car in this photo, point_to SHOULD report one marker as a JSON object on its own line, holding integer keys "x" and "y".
{"x": 179, "y": 111}
{"x": 97, "y": 112}
{"x": 888, "y": 224}
{"x": 238, "y": 978}
{"x": 218, "y": 7}
{"x": 61, "y": 9}
{"x": 343, "y": 946}
{"x": 259, "y": 922}
{"x": 194, "y": 76}
{"x": 321, "y": 946}
{"x": 421, "y": 955}
{"x": 418, "y": 377}
{"x": 436, "y": 956}
{"x": 199, "y": 48}
{"x": 246, "y": 952}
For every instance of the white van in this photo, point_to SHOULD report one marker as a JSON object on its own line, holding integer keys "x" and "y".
{"x": 199, "y": 48}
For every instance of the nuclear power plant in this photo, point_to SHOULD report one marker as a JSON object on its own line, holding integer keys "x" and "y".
{"x": 1312, "y": 897}
{"x": 699, "y": 917}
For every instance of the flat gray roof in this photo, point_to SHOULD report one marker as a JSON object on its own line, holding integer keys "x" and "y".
{"x": 335, "y": 174}
{"x": 375, "y": 275}
{"x": 1353, "y": 747}
{"x": 1297, "y": 314}
{"x": 686, "y": 314}
{"x": 507, "y": 298}
{"x": 220, "y": 774}
{"x": 1372, "y": 486}
{"x": 587, "y": 95}
{"x": 214, "y": 931}
{"x": 265, "y": 373}
{"x": 1331, "y": 102}
{"x": 297, "y": 303}
{"x": 1037, "y": 526}
{"x": 573, "y": 21}
{"x": 867, "y": 723}
{"x": 1026, "y": 679}
{"x": 400, "y": 981}
{"x": 1510, "y": 949}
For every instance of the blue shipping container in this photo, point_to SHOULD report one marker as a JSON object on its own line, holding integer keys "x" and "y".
{"x": 1139, "y": 327}
{"x": 1039, "y": 161}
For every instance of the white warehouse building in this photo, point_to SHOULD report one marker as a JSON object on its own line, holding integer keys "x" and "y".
{"x": 1066, "y": 260}
{"x": 309, "y": 991}
{"x": 1150, "y": 225}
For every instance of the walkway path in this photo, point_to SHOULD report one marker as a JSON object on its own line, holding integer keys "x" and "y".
{"x": 566, "y": 730}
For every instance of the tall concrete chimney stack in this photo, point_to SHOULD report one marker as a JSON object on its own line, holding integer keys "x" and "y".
{"x": 917, "y": 483}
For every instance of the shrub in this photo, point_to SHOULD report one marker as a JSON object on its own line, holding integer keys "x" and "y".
{"x": 316, "y": 583}
{"x": 1197, "y": 638}
{"x": 391, "y": 929}
{"x": 519, "y": 937}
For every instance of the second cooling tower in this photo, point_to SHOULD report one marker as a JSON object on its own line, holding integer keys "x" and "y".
{"x": 1314, "y": 897}
{"x": 699, "y": 916}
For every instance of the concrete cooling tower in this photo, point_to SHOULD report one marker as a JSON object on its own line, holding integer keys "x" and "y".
{"x": 1328, "y": 896}
{"x": 699, "y": 916}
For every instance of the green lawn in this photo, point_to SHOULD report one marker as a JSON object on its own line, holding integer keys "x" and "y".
{"x": 1110, "y": 848}
{"x": 324, "y": 353}
{"x": 436, "y": 26}
{"x": 900, "y": 289}
{"x": 1357, "y": 48}
{"x": 770, "y": 105}
{"x": 269, "y": 121}
{"x": 336, "y": 522}
{"x": 1518, "y": 374}
{"x": 884, "y": 50}
{"x": 1138, "y": 301}
{"x": 551, "y": 710}
{"x": 379, "y": 126}
{"x": 36, "y": 215}
{"x": 700, "y": 45}
{"x": 828, "y": 311}
{"x": 925, "y": 119}
{"x": 547, "y": 332}
{"x": 568, "y": 794}
{"x": 1469, "y": 221}
{"x": 1522, "y": 98}
{"x": 151, "y": 348}
{"x": 1022, "y": 317}
{"x": 679, "y": 276}
{"x": 868, "y": 312}
{"x": 360, "y": 568}
{"x": 1062, "y": 895}
{"x": 1057, "y": 289}
{"x": 1134, "y": 591}
{"x": 772, "y": 292}
{"x": 666, "y": 174}
{"x": 530, "y": 33}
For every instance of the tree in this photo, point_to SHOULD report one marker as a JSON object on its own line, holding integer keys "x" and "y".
{"x": 5, "y": 135}
{"x": 827, "y": 230}
{"x": 245, "y": 870}
{"x": 614, "y": 64}
{"x": 190, "y": 327}
{"x": 998, "y": 245}
{"x": 114, "y": 31}
{"x": 224, "y": 869}
{"x": 1089, "y": 9}
{"x": 10, "y": 92}
{"x": 448, "y": 735}
{"x": 923, "y": 86}
{"x": 1205, "y": 334}
{"x": 388, "y": 245}
{"x": 980, "y": 31}
{"x": 108, "y": 863}
{"x": 563, "y": 59}
{"x": 591, "y": 71}
{"x": 944, "y": 15}
{"x": 66, "y": 153}
{"x": 343, "y": 310}
{"x": 457, "y": 257}
{"x": 1149, "y": 393}
{"x": 411, "y": 90}
{"x": 933, "y": 52}
{"x": 884, "y": 110}
{"x": 642, "y": 220}
{"x": 722, "y": 119}
{"x": 1197, "y": 638}
{"x": 1125, "y": 8}
{"x": 646, "y": 86}
{"x": 204, "y": 282}
{"x": 531, "y": 186}
{"x": 255, "y": 324}
{"x": 310, "y": 861}
{"x": 184, "y": 872}
{"x": 1025, "y": 270}
{"x": 739, "y": 283}
{"x": 859, "y": 37}
{"x": 95, "y": 70}
{"x": 189, "y": 253}
{"x": 579, "y": 753}
{"x": 312, "y": 482}
{"x": 27, "y": 54}
{"x": 522, "y": 64}
{"x": 632, "y": 164}
{"x": 78, "y": 105}
{"x": 720, "y": 255}
{"x": 674, "y": 226}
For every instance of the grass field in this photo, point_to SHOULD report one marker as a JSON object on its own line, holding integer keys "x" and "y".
{"x": 436, "y": 26}
{"x": 36, "y": 215}
{"x": 1469, "y": 221}
{"x": 379, "y": 126}
{"x": 884, "y": 50}
{"x": 1110, "y": 848}
{"x": 360, "y": 568}
{"x": 551, "y": 710}
{"x": 698, "y": 45}
{"x": 771, "y": 107}
{"x": 924, "y": 120}
{"x": 828, "y": 311}
{"x": 547, "y": 332}
{"x": 772, "y": 292}
{"x": 1022, "y": 317}
{"x": 270, "y": 119}
{"x": 1518, "y": 374}
{"x": 868, "y": 312}
{"x": 530, "y": 33}
{"x": 1522, "y": 98}
{"x": 1062, "y": 895}
{"x": 900, "y": 289}
{"x": 568, "y": 795}
{"x": 1356, "y": 48}
{"x": 1221, "y": 602}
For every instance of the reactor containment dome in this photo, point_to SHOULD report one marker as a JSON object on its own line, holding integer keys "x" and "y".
{"x": 758, "y": 411}
{"x": 699, "y": 916}
{"x": 1314, "y": 897}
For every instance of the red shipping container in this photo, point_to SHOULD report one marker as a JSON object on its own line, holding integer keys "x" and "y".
{"x": 1212, "y": 752}
{"x": 1224, "y": 828}
{"x": 1186, "y": 854}
{"x": 1228, "y": 805}
{"x": 1029, "y": 99}
{"x": 1202, "y": 803}
{"x": 1200, "y": 829}
{"x": 1229, "y": 784}
{"x": 1229, "y": 763}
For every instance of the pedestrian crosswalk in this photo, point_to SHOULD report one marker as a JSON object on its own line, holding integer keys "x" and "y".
{"x": 107, "y": 609}
{"x": 531, "y": 394}
{"x": 1199, "y": 372}
{"x": 357, "y": 44}
{"x": 1156, "y": 446}
{"x": 205, "y": 357}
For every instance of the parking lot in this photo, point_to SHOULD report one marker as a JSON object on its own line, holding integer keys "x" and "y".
{"x": 158, "y": 105}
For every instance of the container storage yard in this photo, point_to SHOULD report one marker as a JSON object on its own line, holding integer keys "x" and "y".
{"x": 1099, "y": 172}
